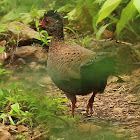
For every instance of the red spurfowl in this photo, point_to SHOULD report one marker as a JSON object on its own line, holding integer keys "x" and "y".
{"x": 74, "y": 69}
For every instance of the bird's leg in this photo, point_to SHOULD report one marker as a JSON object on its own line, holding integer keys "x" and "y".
{"x": 90, "y": 104}
{"x": 73, "y": 105}
{"x": 73, "y": 101}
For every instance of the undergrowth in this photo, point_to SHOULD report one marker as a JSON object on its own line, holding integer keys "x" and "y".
{"x": 30, "y": 107}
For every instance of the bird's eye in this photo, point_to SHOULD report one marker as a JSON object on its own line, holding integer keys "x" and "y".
{"x": 47, "y": 21}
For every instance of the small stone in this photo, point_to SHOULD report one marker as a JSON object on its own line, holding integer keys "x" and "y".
{"x": 111, "y": 106}
{"x": 112, "y": 79}
{"x": 117, "y": 110}
{"x": 130, "y": 96}
{"x": 22, "y": 128}
{"x": 121, "y": 130}
{"x": 99, "y": 103}
{"x": 32, "y": 65}
{"x": 40, "y": 67}
{"x": 130, "y": 118}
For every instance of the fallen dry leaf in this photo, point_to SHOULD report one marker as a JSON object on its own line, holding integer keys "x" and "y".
{"x": 22, "y": 128}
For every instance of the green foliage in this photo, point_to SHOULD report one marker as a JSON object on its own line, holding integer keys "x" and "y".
{"x": 107, "y": 8}
{"x": 21, "y": 106}
{"x": 43, "y": 35}
{"x": 98, "y": 15}
{"x": 83, "y": 15}
{"x": 100, "y": 31}
{"x": 32, "y": 16}
{"x": 102, "y": 14}
{"x": 22, "y": 136}
{"x": 13, "y": 8}
{"x": 2, "y": 29}
{"x": 127, "y": 13}
{"x": 69, "y": 39}
{"x": 137, "y": 4}
{"x": 86, "y": 41}
{"x": 2, "y": 49}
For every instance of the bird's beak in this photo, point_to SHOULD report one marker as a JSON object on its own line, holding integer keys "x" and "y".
{"x": 40, "y": 24}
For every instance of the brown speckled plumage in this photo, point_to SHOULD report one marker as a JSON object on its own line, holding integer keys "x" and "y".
{"x": 74, "y": 69}
{"x": 67, "y": 59}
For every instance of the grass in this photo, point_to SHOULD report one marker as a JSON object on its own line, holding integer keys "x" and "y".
{"x": 19, "y": 105}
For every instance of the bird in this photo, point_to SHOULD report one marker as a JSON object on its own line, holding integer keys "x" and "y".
{"x": 74, "y": 69}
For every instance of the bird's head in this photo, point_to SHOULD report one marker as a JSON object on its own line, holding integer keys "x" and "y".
{"x": 52, "y": 22}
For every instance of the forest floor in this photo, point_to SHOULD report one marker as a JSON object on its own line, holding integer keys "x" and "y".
{"x": 116, "y": 111}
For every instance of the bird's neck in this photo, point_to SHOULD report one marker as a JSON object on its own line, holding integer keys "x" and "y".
{"x": 56, "y": 40}
{"x": 57, "y": 37}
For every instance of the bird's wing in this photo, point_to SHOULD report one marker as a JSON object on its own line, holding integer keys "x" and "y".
{"x": 100, "y": 66}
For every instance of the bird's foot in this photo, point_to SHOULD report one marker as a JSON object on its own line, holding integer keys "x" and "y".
{"x": 89, "y": 107}
{"x": 91, "y": 110}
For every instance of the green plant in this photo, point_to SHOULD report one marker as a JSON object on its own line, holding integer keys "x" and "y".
{"x": 86, "y": 40}
{"x": 43, "y": 35}
{"x": 23, "y": 136}
{"x": 129, "y": 11}
{"x": 2, "y": 29}
{"x": 11, "y": 10}
{"x": 32, "y": 16}
{"x": 81, "y": 16}
{"x": 21, "y": 106}
{"x": 18, "y": 34}
{"x": 16, "y": 112}
{"x": 98, "y": 15}
{"x": 70, "y": 39}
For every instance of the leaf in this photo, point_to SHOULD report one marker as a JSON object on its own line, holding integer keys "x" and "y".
{"x": 2, "y": 28}
{"x": 101, "y": 30}
{"x": 2, "y": 49}
{"x": 15, "y": 107}
{"x": 95, "y": 18}
{"x": 137, "y": 4}
{"x": 71, "y": 14}
{"x": 3, "y": 116}
{"x": 73, "y": 32}
{"x": 11, "y": 120}
{"x": 1, "y": 94}
{"x": 107, "y": 8}
{"x": 127, "y": 13}
{"x": 66, "y": 8}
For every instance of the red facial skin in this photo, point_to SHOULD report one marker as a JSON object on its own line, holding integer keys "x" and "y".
{"x": 44, "y": 22}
